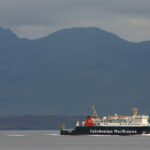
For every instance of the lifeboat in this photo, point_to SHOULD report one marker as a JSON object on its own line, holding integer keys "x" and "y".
{"x": 123, "y": 117}
{"x": 112, "y": 117}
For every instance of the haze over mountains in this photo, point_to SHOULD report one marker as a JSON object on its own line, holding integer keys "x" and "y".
{"x": 66, "y": 72}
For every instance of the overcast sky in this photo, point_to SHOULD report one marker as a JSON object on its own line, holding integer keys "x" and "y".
{"x": 129, "y": 19}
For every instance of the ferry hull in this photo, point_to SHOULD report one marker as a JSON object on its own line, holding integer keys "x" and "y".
{"x": 109, "y": 130}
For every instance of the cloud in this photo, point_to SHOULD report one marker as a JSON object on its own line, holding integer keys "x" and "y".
{"x": 36, "y": 18}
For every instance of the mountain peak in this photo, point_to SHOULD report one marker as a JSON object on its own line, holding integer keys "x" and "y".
{"x": 81, "y": 30}
{"x": 84, "y": 34}
{"x": 7, "y": 33}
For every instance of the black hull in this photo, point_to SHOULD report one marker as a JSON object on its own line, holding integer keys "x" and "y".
{"x": 101, "y": 130}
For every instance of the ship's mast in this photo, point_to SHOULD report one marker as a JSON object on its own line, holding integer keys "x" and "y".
{"x": 135, "y": 112}
{"x": 94, "y": 112}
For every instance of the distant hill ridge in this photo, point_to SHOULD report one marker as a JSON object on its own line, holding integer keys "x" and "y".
{"x": 31, "y": 122}
{"x": 71, "y": 69}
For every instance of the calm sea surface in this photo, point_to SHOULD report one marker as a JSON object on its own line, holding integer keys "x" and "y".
{"x": 51, "y": 140}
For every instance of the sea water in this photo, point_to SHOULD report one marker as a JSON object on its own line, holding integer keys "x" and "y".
{"x": 52, "y": 140}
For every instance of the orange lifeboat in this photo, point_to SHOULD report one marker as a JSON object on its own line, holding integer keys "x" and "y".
{"x": 112, "y": 117}
{"x": 123, "y": 117}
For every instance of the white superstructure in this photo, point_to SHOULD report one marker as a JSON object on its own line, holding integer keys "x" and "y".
{"x": 115, "y": 120}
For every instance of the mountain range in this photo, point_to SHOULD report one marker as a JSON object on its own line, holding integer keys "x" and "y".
{"x": 68, "y": 71}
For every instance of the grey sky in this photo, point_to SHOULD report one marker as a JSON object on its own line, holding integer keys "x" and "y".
{"x": 36, "y": 18}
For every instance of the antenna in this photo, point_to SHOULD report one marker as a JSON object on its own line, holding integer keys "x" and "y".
{"x": 94, "y": 112}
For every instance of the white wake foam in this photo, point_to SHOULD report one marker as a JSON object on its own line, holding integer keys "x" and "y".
{"x": 145, "y": 134}
{"x": 16, "y": 135}
{"x": 54, "y": 134}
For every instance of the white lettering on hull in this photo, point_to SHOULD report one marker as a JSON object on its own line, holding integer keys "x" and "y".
{"x": 113, "y": 131}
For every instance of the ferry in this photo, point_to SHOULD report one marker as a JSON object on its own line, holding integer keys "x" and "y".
{"x": 135, "y": 124}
